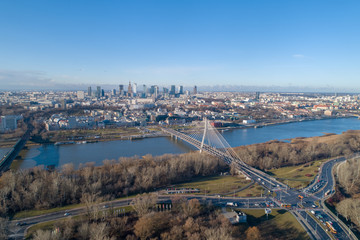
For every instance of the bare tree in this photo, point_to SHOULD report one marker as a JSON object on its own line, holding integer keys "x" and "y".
{"x": 143, "y": 204}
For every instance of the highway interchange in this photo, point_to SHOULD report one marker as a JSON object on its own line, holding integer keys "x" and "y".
{"x": 301, "y": 208}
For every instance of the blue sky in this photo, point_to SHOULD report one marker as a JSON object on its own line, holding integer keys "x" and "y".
{"x": 303, "y": 43}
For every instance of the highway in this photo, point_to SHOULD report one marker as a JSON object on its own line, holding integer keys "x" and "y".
{"x": 299, "y": 200}
{"x": 18, "y": 228}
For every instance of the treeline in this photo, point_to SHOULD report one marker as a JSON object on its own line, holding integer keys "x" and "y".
{"x": 42, "y": 189}
{"x": 275, "y": 154}
{"x": 346, "y": 199}
{"x": 185, "y": 220}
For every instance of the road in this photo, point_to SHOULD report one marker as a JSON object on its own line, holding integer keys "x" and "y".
{"x": 18, "y": 231}
{"x": 283, "y": 195}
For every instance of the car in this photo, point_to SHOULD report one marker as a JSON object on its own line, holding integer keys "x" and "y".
{"x": 256, "y": 204}
{"x": 67, "y": 214}
{"x": 313, "y": 212}
{"x": 20, "y": 224}
{"x": 314, "y": 206}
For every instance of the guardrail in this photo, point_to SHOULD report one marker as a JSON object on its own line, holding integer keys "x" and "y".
{"x": 340, "y": 222}
{"x": 11, "y": 154}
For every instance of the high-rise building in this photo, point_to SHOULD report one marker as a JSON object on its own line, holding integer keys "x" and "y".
{"x": 130, "y": 91}
{"x": 172, "y": 90}
{"x": 98, "y": 91}
{"x": 165, "y": 90}
{"x": 195, "y": 90}
{"x": 8, "y": 123}
{"x": 89, "y": 91}
{"x": 121, "y": 90}
{"x": 63, "y": 103}
{"x": 102, "y": 92}
{"x": 135, "y": 88}
{"x": 156, "y": 93}
{"x": 257, "y": 96}
{"x": 114, "y": 92}
{"x": 152, "y": 90}
{"x": 181, "y": 90}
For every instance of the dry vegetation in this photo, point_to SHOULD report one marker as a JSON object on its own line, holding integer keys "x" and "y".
{"x": 347, "y": 197}
{"x": 41, "y": 189}
{"x": 275, "y": 154}
{"x": 186, "y": 220}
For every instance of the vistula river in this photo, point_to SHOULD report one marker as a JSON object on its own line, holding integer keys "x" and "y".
{"x": 97, "y": 152}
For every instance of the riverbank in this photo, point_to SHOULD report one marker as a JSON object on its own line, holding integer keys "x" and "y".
{"x": 113, "y": 134}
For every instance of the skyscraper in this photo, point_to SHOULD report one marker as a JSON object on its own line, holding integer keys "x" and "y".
{"x": 134, "y": 89}
{"x": 89, "y": 91}
{"x": 130, "y": 91}
{"x": 98, "y": 91}
{"x": 121, "y": 90}
{"x": 181, "y": 90}
{"x": 172, "y": 90}
{"x": 257, "y": 96}
{"x": 195, "y": 90}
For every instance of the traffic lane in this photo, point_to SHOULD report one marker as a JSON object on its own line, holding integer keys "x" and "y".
{"x": 316, "y": 227}
{"x": 340, "y": 232}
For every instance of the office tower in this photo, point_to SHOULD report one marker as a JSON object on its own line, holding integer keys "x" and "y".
{"x": 130, "y": 92}
{"x": 102, "y": 92}
{"x": 121, "y": 90}
{"x": 89, "y": 91}
{"x": 181, "y": 90}
{"x": 114, "y": 92}
{"x": 63, "y": 103}
{"x": 98, "y": 91}
{"x": 195, "y": 90}
{"x": 165, "y": 90}
{"x": 257, "y": 97}
{"x": 172, "y": 90}
{"x": 152, "y": 90}
{"x": 8, "y": 123}
{"x": 134, "y": 88}
{"x": 156, "y": 92}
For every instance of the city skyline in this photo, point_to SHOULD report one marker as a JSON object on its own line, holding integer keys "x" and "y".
{"x": 299, "y": 45}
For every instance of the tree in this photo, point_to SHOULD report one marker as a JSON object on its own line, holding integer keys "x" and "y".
{"x": 143, "y": 204}
{"x": 3, "y": 228}
{"x": 151, "y": 224}
{"x": 191, "y": 208}
{"x": 253, "y": 233}
{"x": 217, "y": 233}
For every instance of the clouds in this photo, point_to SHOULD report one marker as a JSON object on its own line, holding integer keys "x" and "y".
{"x": 298, "y": 56}
{"x": 11, "y": 79}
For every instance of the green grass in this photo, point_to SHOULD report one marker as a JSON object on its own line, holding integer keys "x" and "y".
{"x": 280, "y": 224}
{"x": 32, "y": 213}
{"x": 43, "y": 226}
{"x": 216, "y": 184}
{"x": 50, "y": 224}
{"x": 294, "y": 176}
{"x": 253, "y": 191}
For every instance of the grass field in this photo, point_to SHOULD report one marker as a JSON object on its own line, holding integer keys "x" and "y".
{"x": 253, "y": 191}
{"x": 91, "y": 134}
{"x": 51, "y": 224}
{"x": 279, "y": 225}
{"x": 216, "y": 184}
{"x": 297, "y": 176}
{"x": 32, "y": 213}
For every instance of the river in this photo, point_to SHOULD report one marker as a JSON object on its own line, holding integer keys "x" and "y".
{"x": 97, "y": 152}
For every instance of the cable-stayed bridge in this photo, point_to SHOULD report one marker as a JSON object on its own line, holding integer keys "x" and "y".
{"x": 206, "y": 138}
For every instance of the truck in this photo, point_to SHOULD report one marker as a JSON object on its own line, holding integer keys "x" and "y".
{"x": 234, "y": 204}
